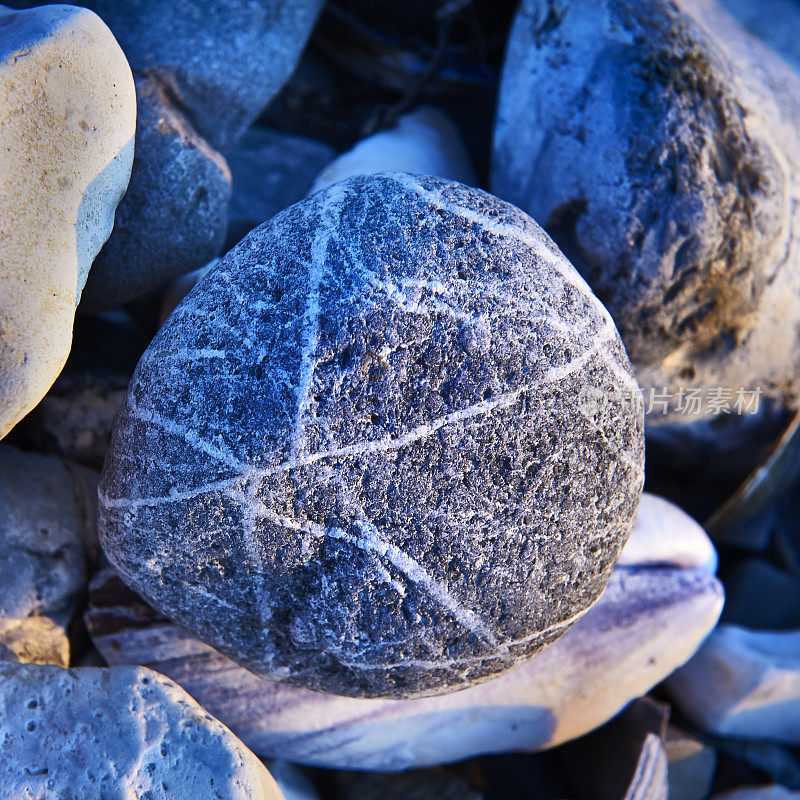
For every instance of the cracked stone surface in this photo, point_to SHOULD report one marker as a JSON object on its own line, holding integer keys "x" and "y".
{"x": 174, "y": 215}
{"x": 658, "y": 607}
{"x": 67, "y": 118}
{"x": 47, "y": 532}
{"x": 657, "y": 142}
{"x": 357, "y": 457}
{"x": 124, "y": 732}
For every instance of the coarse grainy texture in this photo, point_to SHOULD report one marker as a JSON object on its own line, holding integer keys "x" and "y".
{"x": 658, "y": 144}
{"x": 125, "y": 733}
{"x": 357, "y": 457}
{"x": 67, "y": 117}
{"x": 174, "y": 215}
{"x": 649, "y": 620}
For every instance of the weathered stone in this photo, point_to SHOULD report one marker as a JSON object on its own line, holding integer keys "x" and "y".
{"x": 648, "y": 621}
{"x": 174, "y": 215}
{"x": 66, "y": 132}
{"x": 658, "y": 143}
{"x": 664, "y": 534}
{"x": 356, "y": 458}
{"x": 47, "y": 532}
{"x": 271, "y": 170}
{"x": 743, "y": 684}
{"x": 125, "y": 732}
{"x": 425, "y": 142}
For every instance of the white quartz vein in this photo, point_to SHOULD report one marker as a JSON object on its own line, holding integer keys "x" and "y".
{"x": 383, "y": 445}
{"x": 329, "y": 220}
{"x": 370, "y": 541}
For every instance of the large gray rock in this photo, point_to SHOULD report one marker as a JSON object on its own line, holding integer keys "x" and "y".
{"x": 649, "y": 620}
{"x": 47, "y": 533}
{"x": 356, "y": 458}
{"x": 174, "y": 215}
{"x": 223, "y": 61}
{"x": 67, "y": 115}
{"x": 658, "y": 143}
{"x": 125, "y": 732}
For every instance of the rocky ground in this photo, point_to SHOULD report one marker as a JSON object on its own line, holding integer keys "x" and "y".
{"x": 400, "y": 400}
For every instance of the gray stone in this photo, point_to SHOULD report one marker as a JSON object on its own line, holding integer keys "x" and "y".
{"x": 174, "y": 215}
{"x": 223, "y": 61}
{"x": 358, "y": 458}
{"x": 125, "y": 732}
{"x": 425, "y": 142}
{"x": 67, "y": 114}
{"x": 271, "y": 170}
{"x": 743, "y": 684}
{"x": 47, "y": 533}
{"x": 658, "y": 143}
{"x": 649, "y": 620}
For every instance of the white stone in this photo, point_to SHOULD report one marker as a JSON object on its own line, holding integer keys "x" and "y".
{"x": 67, "y": 120}
{"x": 425, "y": 142}
{"x": 664, "y": 534}
{"x": 125, "y": 732}
{"x": 648, "y": 622}
{"x": 743, "y": 683}
{"x": 47, "y": 530}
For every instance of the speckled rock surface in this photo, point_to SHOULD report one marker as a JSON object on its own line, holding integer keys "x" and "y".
{"x": 312, "y": 426}
{"x": 47, "y": 531}
{"x": 174, "y": 215}
{"x": 649, "y": 620}
{"x": 66, "y": 133}
{"x": 125, "y": 732}
{"x": 658, "y": 143}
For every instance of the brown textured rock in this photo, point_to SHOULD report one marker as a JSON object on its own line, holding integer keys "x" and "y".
{"x": 657, "y": 142}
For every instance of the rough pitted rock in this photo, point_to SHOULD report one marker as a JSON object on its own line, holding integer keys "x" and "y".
{"x": 47, "y": 532}
{"x": 658, "y": 144}
{"x": 357, "y": 457}
{"x": 174, "y": 215}
{"x": 67, "y": 116}
{"x": 125, "y": 732}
